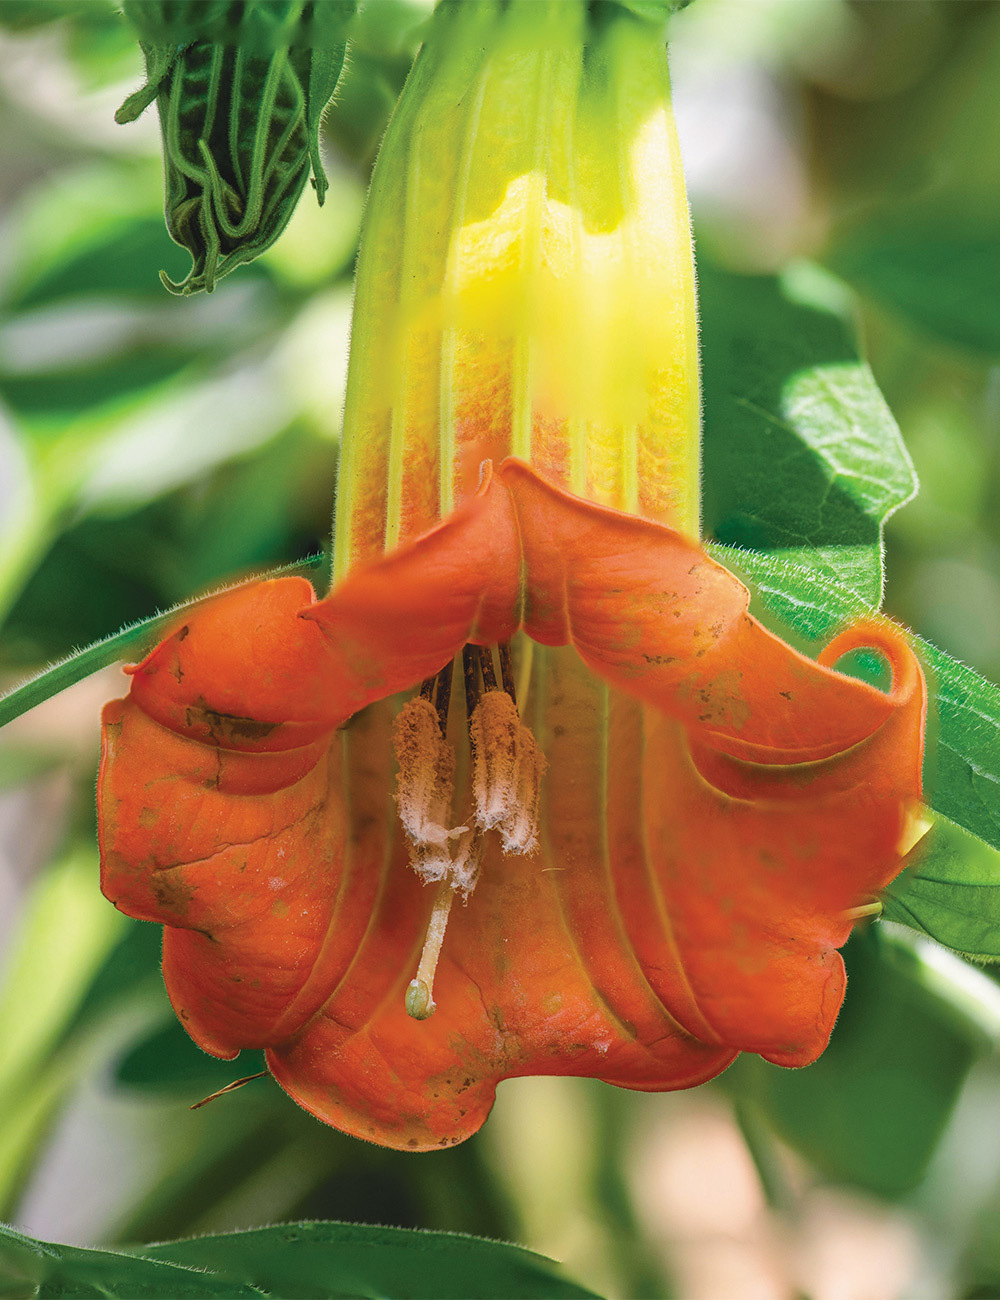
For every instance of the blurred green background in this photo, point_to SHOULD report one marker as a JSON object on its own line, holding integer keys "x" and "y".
{"x": 860, "y": 137}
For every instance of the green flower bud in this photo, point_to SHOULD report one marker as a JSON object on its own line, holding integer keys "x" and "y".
{"x": 240, "y": 88}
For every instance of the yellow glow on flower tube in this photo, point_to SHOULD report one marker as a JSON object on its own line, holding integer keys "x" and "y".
{"x": 526, "y": 283}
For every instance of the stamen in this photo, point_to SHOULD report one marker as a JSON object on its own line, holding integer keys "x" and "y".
{"x": 470, "y": 669}
{"x": 419, "y": 1001}
{"x": 507, "y": 670}
{"x": 443, "y": 700}
{"x": 525, "y": 661}
{"x": 487, "y": 669}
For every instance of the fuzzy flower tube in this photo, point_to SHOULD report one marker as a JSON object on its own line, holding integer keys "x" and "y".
{"x": 529, "y": 791}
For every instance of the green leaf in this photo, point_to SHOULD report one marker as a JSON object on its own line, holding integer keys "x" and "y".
{"x": 313, "y": 1259}
{"x": 94, "y": 230}
{"x": 63, "y": 938}
{"x": 31, "y": 1268}
{"x": 951, "y": 892}
{"x": 130, "y": 643}
{"x": 374, "y": 1262}
{"x": 939, "y": 269}
{"x": 872, "y": 1109}
{"x": 802, "y": 457}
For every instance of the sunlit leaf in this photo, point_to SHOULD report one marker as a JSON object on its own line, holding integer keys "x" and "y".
{"x": 802, "y": 457}
{"x": 952, "y": 892}
{"x": 63, "y": 938}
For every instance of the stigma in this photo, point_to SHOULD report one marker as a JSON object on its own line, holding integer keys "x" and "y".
{"x": 504, "y": 780}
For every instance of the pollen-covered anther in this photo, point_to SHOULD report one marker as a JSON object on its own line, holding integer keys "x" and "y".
{"x": 425, "y": 789}
{"x": 507, "y": 773}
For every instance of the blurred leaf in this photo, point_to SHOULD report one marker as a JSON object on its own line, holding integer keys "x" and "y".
{"x": 109, "y": 569}
{"x": 962, "y": 769}
{"x": 23, "y": 15}
{"x": 95, "y": 230}
{"x": 22, "y": 763}
{"x": 656, "y": 11}
{"x": 65, "y": 934}
{"x": 305, "y": 1259}
{"x": 168, "y": 1061}
{"x": 872, "y": 1109}
{"x": 131, "y": 966}
{"x": 47, "y": 400}
{"x": 63, "y": 938}
{"x": 130, "y": 643}
{"x": 801, "y": 454}
{"x": 951, "y": 892}
{"x": 940, "y": 269}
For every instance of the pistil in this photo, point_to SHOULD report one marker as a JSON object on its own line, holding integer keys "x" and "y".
{"x": 420, "y": 1002}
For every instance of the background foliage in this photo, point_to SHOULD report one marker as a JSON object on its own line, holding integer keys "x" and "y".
{"x": 842, "y": 162}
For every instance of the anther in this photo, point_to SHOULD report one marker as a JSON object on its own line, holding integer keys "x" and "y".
{"x": 442, "y": 701}
{"x": 425, "y": 787}
{"x": 507, "y": 772}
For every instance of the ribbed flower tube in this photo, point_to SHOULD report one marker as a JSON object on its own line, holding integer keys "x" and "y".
{"x": 525, "y": 284}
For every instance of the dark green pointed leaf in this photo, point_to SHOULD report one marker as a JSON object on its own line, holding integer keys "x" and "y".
{"x": 30, "y": 1268}
{"x": 344, "y": 1259}
{"x": 802, "y": 456}
{"x": 872, "y": 1109}
{"x": 335, "y": 1260}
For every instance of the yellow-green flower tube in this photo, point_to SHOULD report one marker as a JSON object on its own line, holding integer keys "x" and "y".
{"x": 526, "y": 282}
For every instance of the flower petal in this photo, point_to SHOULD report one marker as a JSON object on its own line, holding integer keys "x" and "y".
{"x": 651, "y": 613}
{"x": 399, "y": 619}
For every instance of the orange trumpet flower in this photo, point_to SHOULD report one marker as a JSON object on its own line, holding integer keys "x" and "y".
{"x": 530, "y": 791}
{"x": 676, "y": 902}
